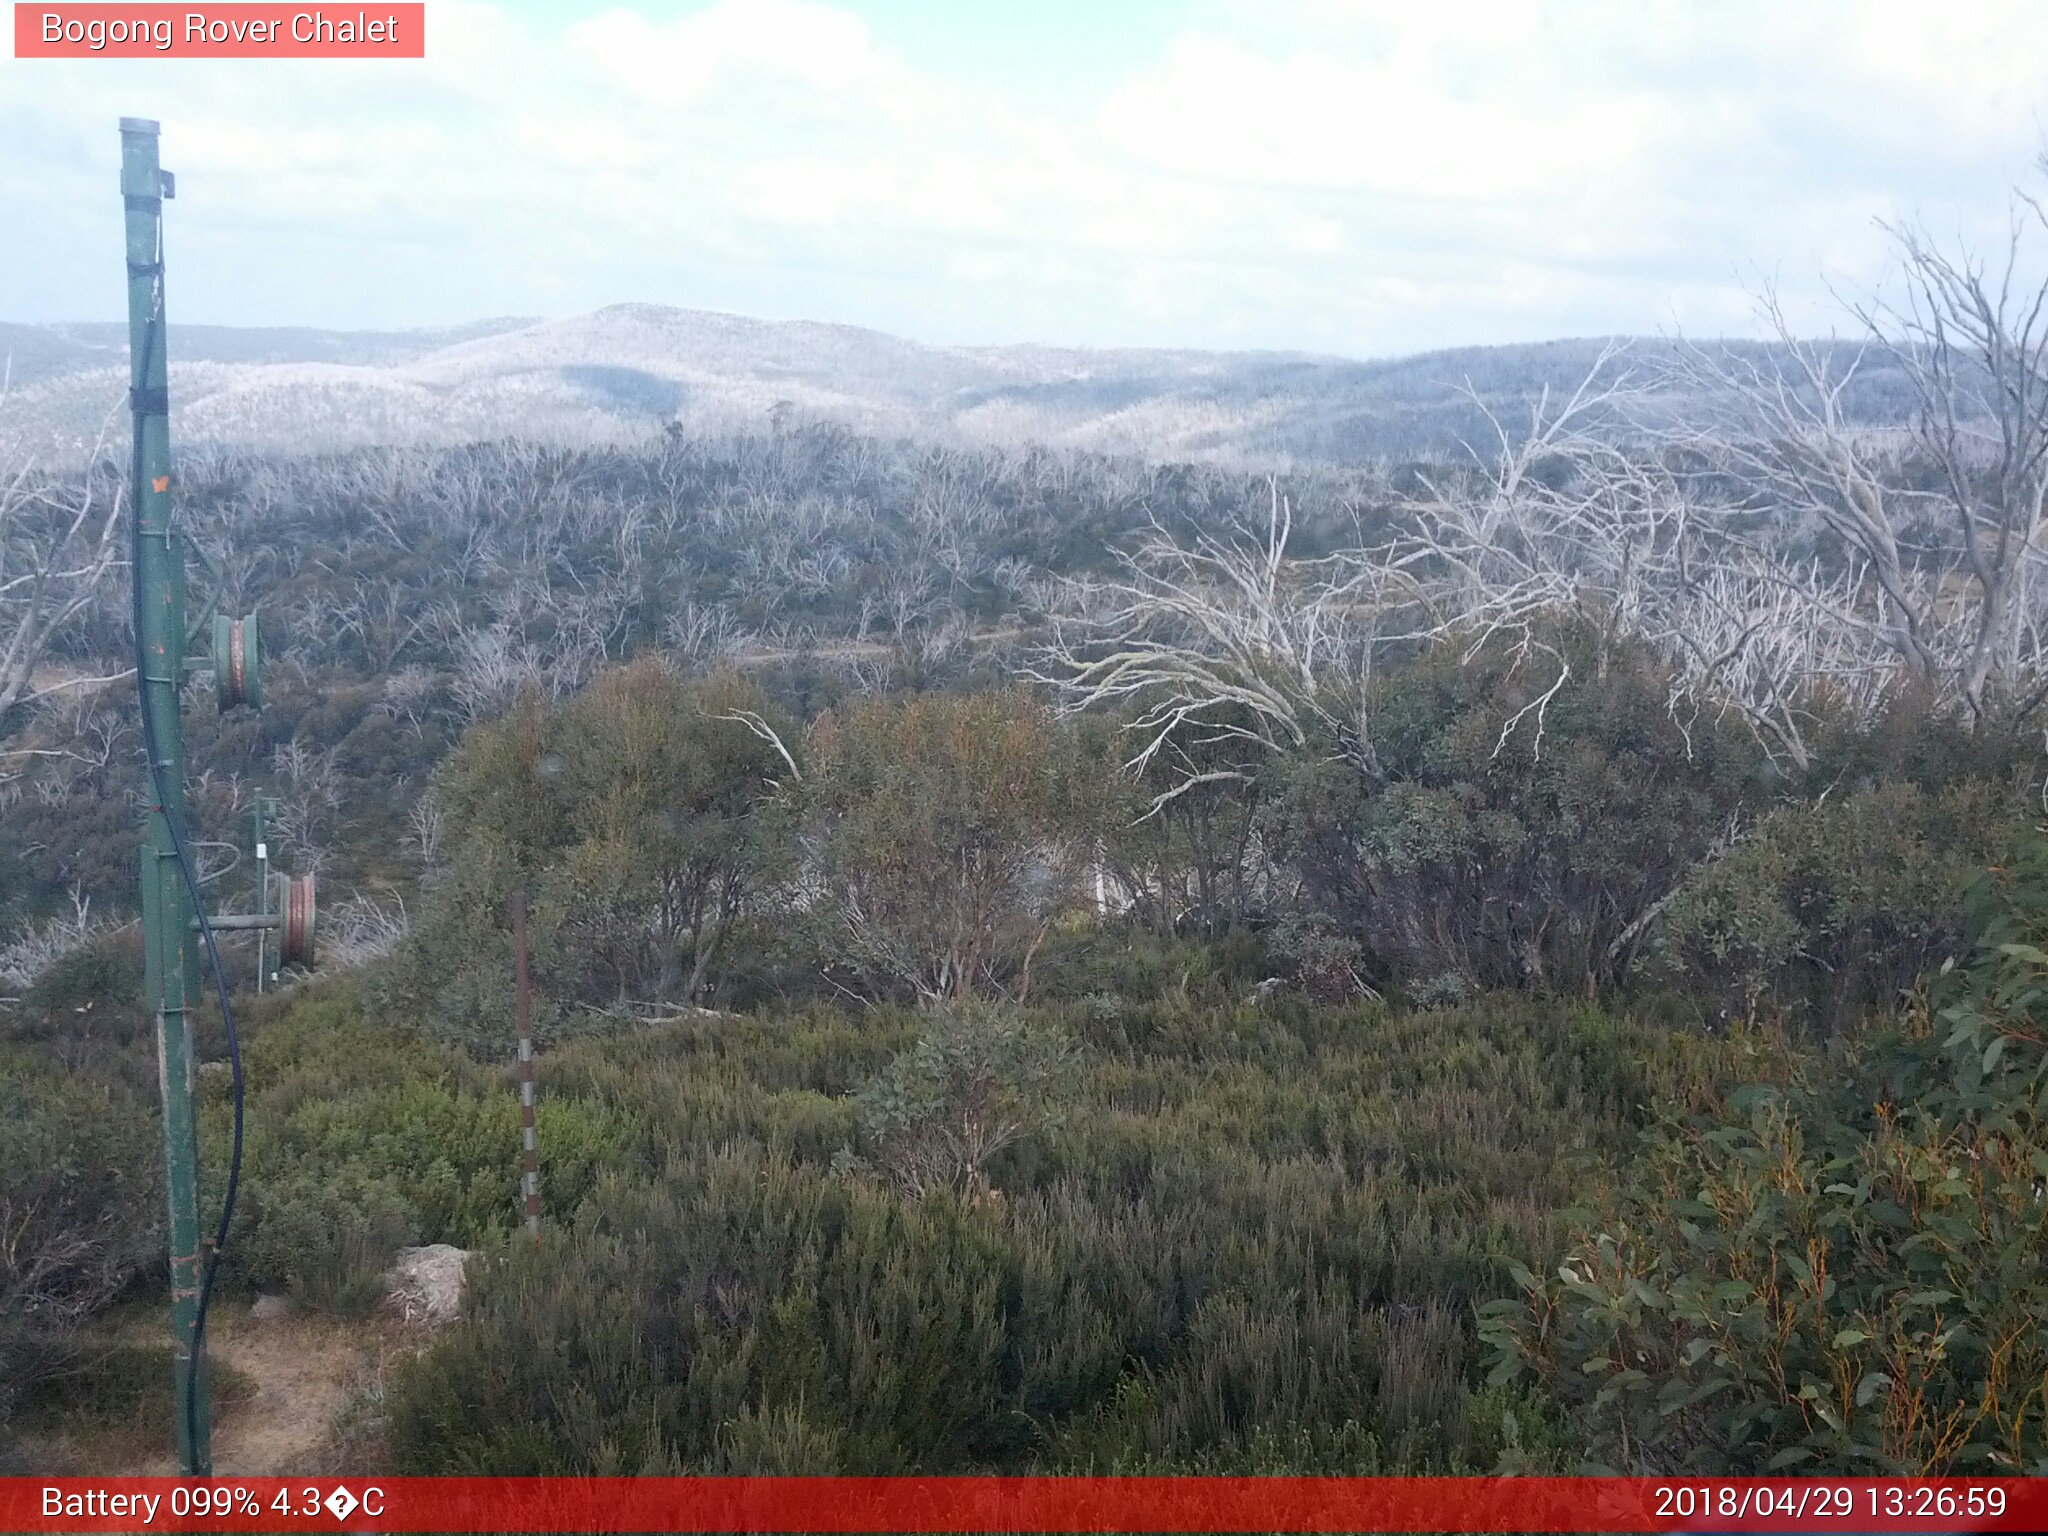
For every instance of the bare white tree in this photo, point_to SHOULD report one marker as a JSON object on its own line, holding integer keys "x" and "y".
{"x": 1571, "y": 519}
{"x": 1584, "y": 516}
{"x": 1767, "y": 638}
{"x": 426, "y": 832}
{"x": 1741, "y": 516}
{"x": 308, "y": 795}
{"x": 492, "y": 666}
{"x": 361, "y": 929}
{"x": 58, "y": 548}
{"x": 1600, "y": 515}
{"x": 1940, "y": 523}
{"x": 407, "y": 694}
{"x": 703, "y": 635}
{"x": 1224, "y": 637}
{"x": 28, "y": 954}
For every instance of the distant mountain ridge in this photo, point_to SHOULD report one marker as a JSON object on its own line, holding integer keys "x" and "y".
{"x": 626, "y": 371}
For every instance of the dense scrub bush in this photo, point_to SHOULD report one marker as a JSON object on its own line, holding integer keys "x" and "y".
{"x": 978, "y": 1079}
{"x": 80, "y": 1212}
{"x": 1121, "y": 962}
{"x": 1508, "y": 851}
{"x": 641, "y": 817}
{"x": 954, "y": 832}
{"x": 671, "y": 830}
{"x": 1911, "y": 741}
{"x": 1189, "y": 864}
{"x": 1842, "y": 1273}
{"x": 1828, "y": 909}
{"x": 1252, "y": 1242}
{"x": 85, "y": 1012}
{"x": 362, "y": 1138}
{"x": 111, "y": 1406}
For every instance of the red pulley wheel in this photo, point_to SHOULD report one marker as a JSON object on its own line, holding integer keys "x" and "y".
{"x": 295, "y": 937}
{"x": 237, "y": 662}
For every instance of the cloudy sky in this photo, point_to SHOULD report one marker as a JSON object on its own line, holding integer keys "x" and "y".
{"x": 1343, "y": 176}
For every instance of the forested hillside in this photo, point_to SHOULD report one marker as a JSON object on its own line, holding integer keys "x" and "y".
{"x": 626, "y": 372}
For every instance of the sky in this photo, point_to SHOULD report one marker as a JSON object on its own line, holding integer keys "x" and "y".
{"x": 1338, "y": 176}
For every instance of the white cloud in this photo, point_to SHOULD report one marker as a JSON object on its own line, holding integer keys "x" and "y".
{"x": 820, "y": 47}
{"x": 1392, "y": 125}
{"x": 1347, "y": 176}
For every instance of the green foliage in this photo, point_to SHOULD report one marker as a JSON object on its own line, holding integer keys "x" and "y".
{"x": 1491, "y": 843}
{"x": 671, "y": 828}
{"x": 99, "y": 978}
{"x": 1120, "y": 963}
{"x": 111, "y": 1383}
{"x": 115, "y": 1388}
{"x": 1830, "y": 909}
{"x": 362, "y": 1138}
{"x": 1839, "y": 1273}
{"x": 978, "y": 1079}
{"x": 1326, "y": 960}
{"x": 85, "y": 1011}
{"x": 640, "y": 815}
{"x": 80, "y": 1212}
{"x": 1186, "y": 861}
{"x": 955, "y": 830}
{"x": 1251, "y": 1244}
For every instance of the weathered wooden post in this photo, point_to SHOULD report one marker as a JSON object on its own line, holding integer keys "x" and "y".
{"x": 529, "y": 1163}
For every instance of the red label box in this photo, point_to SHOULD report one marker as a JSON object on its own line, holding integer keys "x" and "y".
{"x": 963, "y": 1506}
{"x": 372, "y": 30}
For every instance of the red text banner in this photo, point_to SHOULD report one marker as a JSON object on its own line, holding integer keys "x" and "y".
{"x": 1022, "y": 1504}
{"x": 234, "y": 31}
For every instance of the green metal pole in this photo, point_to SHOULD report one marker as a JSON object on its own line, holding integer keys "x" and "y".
{"x": 170, "y": 956}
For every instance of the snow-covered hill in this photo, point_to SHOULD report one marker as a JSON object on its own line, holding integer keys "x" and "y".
{"x": 627, "y": 371}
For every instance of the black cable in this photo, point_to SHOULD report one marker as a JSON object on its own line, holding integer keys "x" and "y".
{"x": 186, "y": 865}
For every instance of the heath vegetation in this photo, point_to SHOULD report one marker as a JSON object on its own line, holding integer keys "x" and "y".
{"x": 1062, "y": 962}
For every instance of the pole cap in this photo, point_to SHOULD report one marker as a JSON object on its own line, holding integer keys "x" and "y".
{"x": 147, "y": 125}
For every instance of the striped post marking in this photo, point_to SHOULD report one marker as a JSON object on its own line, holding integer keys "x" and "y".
{"x": 529, "y": 1176}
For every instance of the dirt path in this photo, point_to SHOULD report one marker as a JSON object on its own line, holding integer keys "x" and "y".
{"x": 305, "y": 1374}
{"x": 301, "y": 1373}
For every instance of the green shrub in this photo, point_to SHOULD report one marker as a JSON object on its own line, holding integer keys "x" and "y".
{"x": 1253, "y": 1244}
{"x": 326, "y": 1236}
{"x": 1495, "y": 844}
{"x": 954, "y": 831}
{"x": 639, "y": 816}
{"x": 362, "y": 1138}
{"x": 80, "y": 1210}
{"x": 1838, "y": 1274}
{"x": 85, "y": 1013}
{"x": 1327, "y": 962}
{"x": 118, "y": 1389}
{"x": 1831, "y": 909}
{"x": 1134, "y": 964}
{"x": 977, "y": 1080}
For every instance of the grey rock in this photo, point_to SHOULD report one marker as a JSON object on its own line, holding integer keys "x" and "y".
{"x": 425, "y": 1285}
